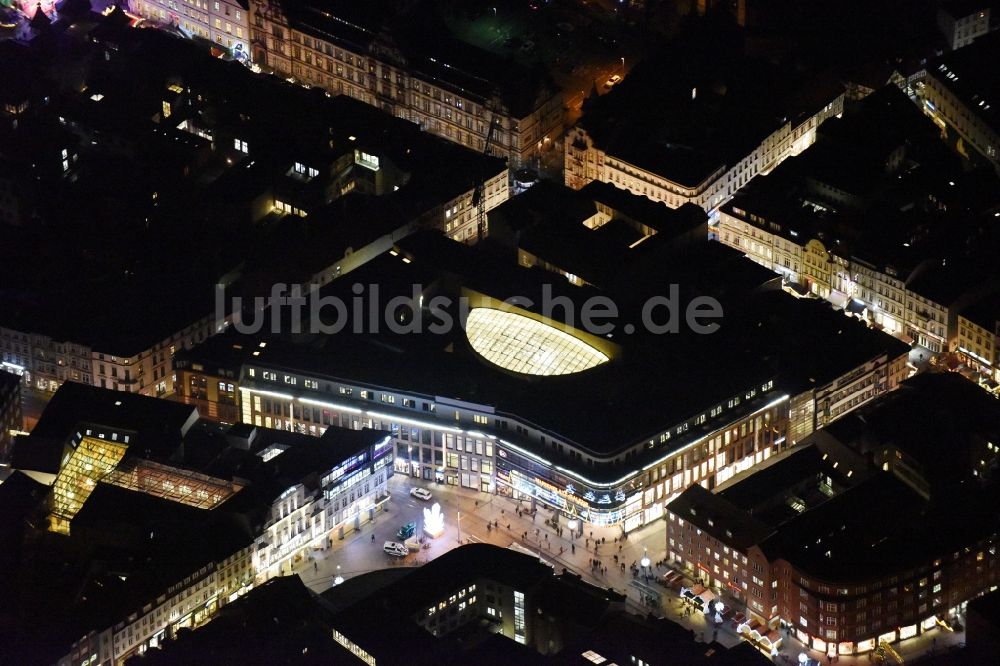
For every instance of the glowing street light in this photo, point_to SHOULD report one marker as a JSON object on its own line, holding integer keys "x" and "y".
{"x": 338, "y": 579}
{"x": 644, "y": 562}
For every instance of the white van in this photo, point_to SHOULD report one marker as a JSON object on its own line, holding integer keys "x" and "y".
{"x": 395, "y": 548}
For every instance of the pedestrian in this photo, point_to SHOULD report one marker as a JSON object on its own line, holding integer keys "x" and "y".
{"x": 501, "y": 512}
{"x": 572, "y": 547}
{"x": 373, "y": 538}
{"x": 315, "y": 566}
{"x": 508, "y": 527}
{"x": 560, "y": 550}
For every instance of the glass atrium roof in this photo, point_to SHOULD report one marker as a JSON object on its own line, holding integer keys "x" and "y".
{"x": 520, "y": 344}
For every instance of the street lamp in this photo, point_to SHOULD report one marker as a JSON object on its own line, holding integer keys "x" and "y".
{"x": 338, "y": 579}
{"x": 623, "y": 65}
{"x": 644, "y": 562}
{"x": 459, "y": 513}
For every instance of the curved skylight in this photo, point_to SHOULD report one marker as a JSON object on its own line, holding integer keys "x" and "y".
{"x": 520, "y": 344}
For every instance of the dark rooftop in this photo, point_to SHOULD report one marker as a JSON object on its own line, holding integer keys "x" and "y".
{"x": 977, "y": 87}
{"x": 158, "y": 425}
{"x": 714, "y": 513}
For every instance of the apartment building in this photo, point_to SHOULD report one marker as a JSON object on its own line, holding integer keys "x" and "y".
{"x": 329, "y": 500}
{"x": 775, "y": 541}
{"x": 224, "y": 22}
{"x": 586, "y": 161}
{"x": 962, "y": 21}
{"x": 403, "y": 62}
{"x": 700, "y": 137}
{"x": 959, "y": 94}
{"x": 978, "y": 330}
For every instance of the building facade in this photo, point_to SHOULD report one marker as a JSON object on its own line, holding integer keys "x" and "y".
{"x": 586, "y": 161}
{"x": 978, "y": 340}
{"x": 45, "y": 363}
{"x": 305, "y": 517}
{"x": 367, "y": 64}
{"x": 962, "y": 22}
{"x": 11, "y": 417}
{"x": 224, "y": 22}
{"x": 955, "y": 96}
{"x": 187, "y": 604}
{"x": 474, "y": 446}
{"x": 883, "y": 291}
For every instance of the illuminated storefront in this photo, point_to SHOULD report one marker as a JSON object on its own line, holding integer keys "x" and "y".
{"x": 473, "y": 446}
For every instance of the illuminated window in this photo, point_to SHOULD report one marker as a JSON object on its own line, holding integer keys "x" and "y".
{"x": 519, "y": 344}
{"x": 91, "y": 460}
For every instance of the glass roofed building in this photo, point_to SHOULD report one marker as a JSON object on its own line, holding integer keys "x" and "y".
{"x": 521, "y": 344}
{"x": 604, "y": 425}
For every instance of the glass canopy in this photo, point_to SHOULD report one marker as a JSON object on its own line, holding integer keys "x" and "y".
{"x": 520, "y": 344}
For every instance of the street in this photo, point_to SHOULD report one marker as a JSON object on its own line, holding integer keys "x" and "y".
{"x": 586, "y": 555}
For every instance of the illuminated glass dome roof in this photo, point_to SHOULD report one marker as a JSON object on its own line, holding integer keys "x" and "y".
{"x": 520, "y": 344}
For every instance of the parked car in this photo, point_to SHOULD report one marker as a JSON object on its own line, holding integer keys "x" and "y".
{"x": 395, "y": 548}
{"x": 612, "y": 81}
{"x": 420, "y": 493}
{"x": 406, "y": 531}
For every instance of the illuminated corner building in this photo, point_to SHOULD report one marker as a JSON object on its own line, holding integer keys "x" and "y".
{"x": 206, "y": 381}
{"x": 958, "y": 94}
{"x": 978, "y": 340}
{"x": 339, "y": 484}
{"x": 407, "y": 64}
{"x": 676, "y": 132}
{"x": 788, "y": 540}
{"x": 485, "y": 604}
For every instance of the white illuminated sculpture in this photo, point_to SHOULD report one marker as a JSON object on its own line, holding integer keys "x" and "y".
{"x": 433, "y": 521}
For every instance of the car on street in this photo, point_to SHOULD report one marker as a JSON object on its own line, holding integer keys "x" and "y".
{"x": 395, "y": 548}
{"x": 406, "y": 531}
{"x": 420, "y": 493}
{"x": 612, "y": 81}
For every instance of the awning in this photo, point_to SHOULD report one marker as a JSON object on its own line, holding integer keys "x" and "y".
{"x": 707, "y": 596}
{"x": 697, "y": 590}
{"x": 854, "y": 306}
{"x": 838, "y": 299}
{"x": 800, "y": 289}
